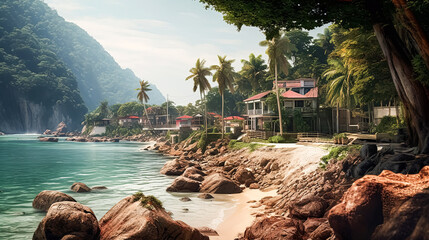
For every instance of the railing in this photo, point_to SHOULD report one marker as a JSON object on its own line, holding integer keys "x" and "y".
{"x": 257, "y": 112}
{"x": 259, "y": 134}
{"x": 314, "y": 137}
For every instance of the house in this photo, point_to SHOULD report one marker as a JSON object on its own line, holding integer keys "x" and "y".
{"x": 233, "y": 123}
{"x": 184, "y": 121}
{"x": 129, "y": 121}
{"x": 102, "y": 122}
{"x": 198, "y": 120}
{"x": 298, "y": 95}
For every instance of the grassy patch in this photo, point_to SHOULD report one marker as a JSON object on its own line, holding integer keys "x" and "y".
{"x": 150, "y": 202}
{"x": 338, "y": 153}
{"x": 281, "y": 139}
{"x": 234, "y": 144}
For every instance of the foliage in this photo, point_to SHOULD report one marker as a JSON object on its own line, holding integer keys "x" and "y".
{"x": 236, "y": 145}
{"x": 143, "y": 90}
{"x": 234, "y": 105}
{"x": 253, "y": 76}
{"x": 129, "y": 109}
{"x": 281, "y": 139}
{"x": 340, "y": 136}
{"x": 389, "y": 124}
{"x": 339, "y": 153}
{"x": 198, "y": 74}
{"x": 116, "y": 131}
{"x": 150, "y": 202}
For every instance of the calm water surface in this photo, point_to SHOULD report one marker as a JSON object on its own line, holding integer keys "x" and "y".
{"x": 28, "y": 167}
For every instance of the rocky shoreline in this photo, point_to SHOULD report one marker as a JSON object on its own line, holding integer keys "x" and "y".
{"x": 340, "y": 202}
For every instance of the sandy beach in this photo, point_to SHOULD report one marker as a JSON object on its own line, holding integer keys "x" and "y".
{"x": 237, "y": 219}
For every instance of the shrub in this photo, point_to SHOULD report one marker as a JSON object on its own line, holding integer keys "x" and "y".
{"x": 339, "y": 153}
{"x": 389, "y": 124}
{"x": 150, "y": 202}
{"x": 281, "y": 139}
{"x": 234, "y": 144}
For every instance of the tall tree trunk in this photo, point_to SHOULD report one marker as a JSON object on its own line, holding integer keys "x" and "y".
{"x": 414, "y": 95}
{"x": 223, "y": 121}
{"x": 338, "y": 118}
{"x": 278, "y": 99}
{"x": 203, "y": 98}
{"x": 147, "y": 116}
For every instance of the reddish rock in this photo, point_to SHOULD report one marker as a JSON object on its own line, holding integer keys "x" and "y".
{"x": 274, "y": 228}
{"x": 128, "y": 219}
{"x": 174, "y": 167}
{"x": 46, "y": 198}
{"x": 218, "y": 183}
{"x": 80, "y": 187}
{"x": 243, "y": 175}
{"x": 410, "y": 221}
{"x": 254, "y": 186}
{"x": 312, "y": 223}
{"x": 372, "y": 199}
{"x": 47, "y": 132}
{"x": 68, "y": 220}
{"x": 322, "y": 232}
{"x": 205, "y": 196}
{"x": 194, "y": 173}
{"x": 308, "y": 206}
{"x": 184, "y": 184}
{"x": 99, "y": 188}
{"x": 208, "y": 231}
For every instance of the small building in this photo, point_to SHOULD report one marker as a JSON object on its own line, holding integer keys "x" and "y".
{"x": 128, "y": 121}
{"x": 184, "y": 121}
{"x": 234, "y": 124}
{"x": 103, "y": 122}
{"x": 198, "y": 121}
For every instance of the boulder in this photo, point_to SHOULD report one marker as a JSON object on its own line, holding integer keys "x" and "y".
{"x": 372, "y": 200}
{"x": 312, "y": 223}
{"x": 128, "y": 219}
{"x": 244, "y": 175}
{"x": 99, "y": 188}
{"x": 47, "y": 132}
{"x": 273, "y": 228}
{"x": 368, "y": 150}
{"x": 254, "y": 186}
{"x": 80, "y": 187}
{"x": 218, "y": 183}
{"x": 208, "y": 231}
{"x": 409, "y": 221}
{"x": 185, "y": 199}
{"x": 48, "y": 139}
{"x": 174, "y": 167}
{"x": 184, "y": 184}
{"x": 68, "y": 220}
{"x": 194, "y": 173}
{"x": 2, "y": 133}
{"x": 322, "y": 232}
{"x": 205, "y": 196}
{"x": 309, "y": 206}
{"x": 61, "y": 129}
{"x": 46, "y": 198}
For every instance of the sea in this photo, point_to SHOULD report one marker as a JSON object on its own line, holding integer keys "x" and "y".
{"x": 28, "y": 166}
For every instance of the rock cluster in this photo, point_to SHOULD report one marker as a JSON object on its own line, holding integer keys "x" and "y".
{"x": 46, "y": 198}
{"x": 48, "y": 139}
{"x": 91, "y": 139}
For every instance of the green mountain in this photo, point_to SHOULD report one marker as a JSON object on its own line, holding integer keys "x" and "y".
{"x": 50, "y": 69}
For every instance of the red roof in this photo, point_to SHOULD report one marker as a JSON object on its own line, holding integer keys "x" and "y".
{"x": 184, "y": 117}
{"x": 233, "y": 118}
{"x": 214, "y": 114}
{"x": 291, "y": 94}
{"x": 133, "y": 117}
{"x": 313, "y": 93}
{"x": 258, "y": 96}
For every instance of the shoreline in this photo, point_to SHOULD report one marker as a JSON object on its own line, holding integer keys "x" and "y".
{"x": 242, "y": 215}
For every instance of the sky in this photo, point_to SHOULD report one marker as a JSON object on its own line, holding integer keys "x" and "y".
{"x": 160, "y": 40}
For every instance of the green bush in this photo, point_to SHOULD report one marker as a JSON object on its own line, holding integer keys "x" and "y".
{"x": 339, "y": 153}
{"x": 389, "y": 124}
{"x": 234, "y": 144}
{"x": 281, "y": 139}
{"x": 150, "y": 202}
{"x": 113, "y": 131}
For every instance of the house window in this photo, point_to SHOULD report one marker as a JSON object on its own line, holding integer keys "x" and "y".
{"x": 299, "y": 104}
{"x": 257, "y": 105}
{"x": 289, "y": 104}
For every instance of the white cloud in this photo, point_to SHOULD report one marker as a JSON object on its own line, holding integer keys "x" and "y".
{"x": 65, "y": 5}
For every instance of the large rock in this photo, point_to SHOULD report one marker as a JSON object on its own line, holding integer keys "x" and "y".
{"x": 174, "y": 167}
{"x": 274, "y": 228}
{"x": 410, "y": 221}
{"x": 372, "y": 200}
{"x": 218, "y": 183}
{"x": 61, "y": 129}
{"x": 46, "y": 198}
{"x": 309, "y": 206}
{"x": 368, "y": 150}
{"x": 244, "y": 175}
{"x": 128, "y": 219}
{"x": 184, "y": 184}
{"x": 194, "y": 173}
{"x": 48, "y": 139}
{"x": 68, "y": 220}
{"x": 80, "y": 187}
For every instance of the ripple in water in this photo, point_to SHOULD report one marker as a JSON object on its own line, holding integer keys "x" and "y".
{"x": 28, "y": 167}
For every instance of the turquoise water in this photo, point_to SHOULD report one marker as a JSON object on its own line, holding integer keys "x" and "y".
{"x": 28, "y": 167}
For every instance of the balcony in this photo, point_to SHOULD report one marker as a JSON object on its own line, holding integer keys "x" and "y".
{"x": 251, "y": 112}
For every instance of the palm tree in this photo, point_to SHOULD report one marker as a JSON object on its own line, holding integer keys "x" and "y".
{"x": 253, "y": 75}
{"x": 224, "y": 76}
{"x": 278, "y": 50}
{"x": 143, "y": 97}
{"x": 198, "y": 74}
{"x": 340, "y": 76}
